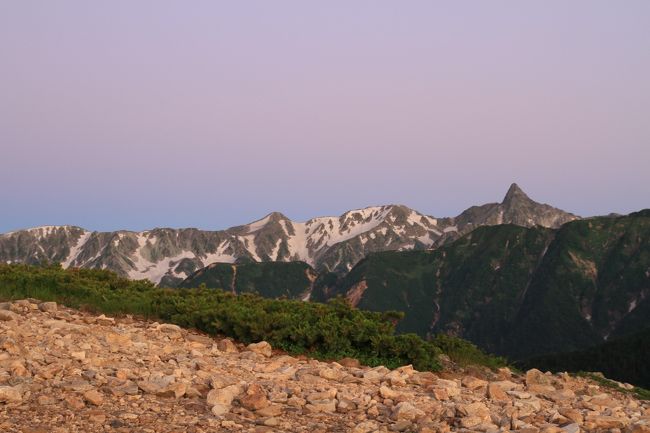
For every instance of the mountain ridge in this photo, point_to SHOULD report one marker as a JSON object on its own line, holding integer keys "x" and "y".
{"x": 167, "y": 256}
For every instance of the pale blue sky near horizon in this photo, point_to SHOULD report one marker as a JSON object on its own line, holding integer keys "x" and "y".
{"x": 209, "y": 114}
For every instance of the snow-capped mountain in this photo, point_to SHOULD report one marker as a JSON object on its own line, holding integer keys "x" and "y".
{"x": 167, "y": 256}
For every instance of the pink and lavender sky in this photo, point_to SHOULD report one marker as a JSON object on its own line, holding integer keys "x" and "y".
{"x": 137, "y": 114}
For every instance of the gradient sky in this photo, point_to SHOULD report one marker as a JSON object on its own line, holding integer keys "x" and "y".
{"x": 138, "y": 114}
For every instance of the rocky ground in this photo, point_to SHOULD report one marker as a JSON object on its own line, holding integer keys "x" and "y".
{"x": 65, "y": 371}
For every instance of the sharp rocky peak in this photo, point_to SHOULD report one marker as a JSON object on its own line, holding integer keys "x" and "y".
{"x": 514, "y": 194}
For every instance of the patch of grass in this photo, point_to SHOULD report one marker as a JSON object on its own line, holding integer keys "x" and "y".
{"x": 326, "y": 331}
{"x": 640, "y": 393}
{"x": 464, "y": 353}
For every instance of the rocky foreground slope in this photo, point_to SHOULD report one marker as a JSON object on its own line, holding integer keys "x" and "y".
{"x": 62, "y": 370}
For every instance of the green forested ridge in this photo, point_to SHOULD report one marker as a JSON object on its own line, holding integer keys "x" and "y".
{"x": 471, "y": 288}
{"x": 329, "y": 330}
{"x": 271, "y": 279}
{"x": 516, "y": 291}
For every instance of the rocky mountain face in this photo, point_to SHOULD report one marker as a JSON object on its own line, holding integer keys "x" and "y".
{"x": 516, "y": 291}
{"x": 336, "y": 244}
{"x": 63, "y": 370}
{"x": 516, "y": 208}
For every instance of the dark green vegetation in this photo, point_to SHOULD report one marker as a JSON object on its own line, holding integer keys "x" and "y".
{"x": 624, "y": 359}
{"x": 471, "y": 288}
{"x": 272, "y": 279}
{"x": 329, "y": 330}
{"x": 515, "y": 291}
{"x": 640, "y": 393}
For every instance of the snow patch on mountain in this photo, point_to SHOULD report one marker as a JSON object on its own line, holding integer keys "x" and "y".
{"x": 74, "y": 251}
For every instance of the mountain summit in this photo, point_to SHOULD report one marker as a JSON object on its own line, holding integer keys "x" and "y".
{"x": 516, "y": 208}
{"x": 514, "y": 194}
{"x": 336, "y": 243}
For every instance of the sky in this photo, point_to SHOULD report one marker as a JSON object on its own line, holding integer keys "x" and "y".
{"x": 209, "y": 114}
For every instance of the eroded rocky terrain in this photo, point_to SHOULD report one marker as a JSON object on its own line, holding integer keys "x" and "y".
{"x": 65, "y": 371}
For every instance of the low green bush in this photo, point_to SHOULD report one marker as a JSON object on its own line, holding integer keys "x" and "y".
{"x": 325, "y": 331}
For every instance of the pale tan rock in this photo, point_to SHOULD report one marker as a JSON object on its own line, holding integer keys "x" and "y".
{"x": 331, "y": 374}
{"x": 263, "y": 348}
{"x": 163, "y": 386}
{"x": 323, "y": 395}
{"x": 80, "y": 356}
{"x": 96, "y": 416}
{"x": 406, "y": 411}
{"x": 536, "y": 377}
{"x": 315, "y": 406}
{"x": 46, "y": 400}
{"x": 375, "y": 374}
{"x": 387, "y": 392}
{"x": 476, "y": 409}
{"x": 10, "y": 394}
{"x": 470, "y": 421}
{"x": 48, "y": 307}
{"x": 440, "y": 394}
{"x": 227, "y": 346}
{"x": 365, "y": 427}
{"x": 219, "y": 409}
{"x": 496, "y": 393}
{"x": 606, "y": 421}
{"x": 74, "y": 402}
{"x": 169, "y": 329}
{"x": 271, "y": 410}
{"x": 254, "y": 398}
{"x": 345, "y": 405}
{"x": 6, "y": 316}
{"x": 117, "y": 342}
{"x": 94, "y": 397}
{"x": 223, "y": 396}
{"x": 573, "y": 414}
{"x": 296, "y": 401}
{"x": 472, "y": 382}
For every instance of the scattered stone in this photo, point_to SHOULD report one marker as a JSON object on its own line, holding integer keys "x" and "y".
{"x": 6, "y": 315}
{"x": 94, "y": 397}
{"x": 263, "y": 348}
{"x": 254, "y": 398}
{"x": 227, "y": 346}
{"x": 472, "y": 382}
{"x": 536, "y": 377}
{"x": 406, "y": 411}
{"x": 10, "y": 394}
{"x": 223, "y": 396}
{"x": 48, "y": 307}
{"x": 496, "y": 393}
{"x": 64, "y": 371}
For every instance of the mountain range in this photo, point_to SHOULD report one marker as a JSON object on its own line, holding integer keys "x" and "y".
{"x": 328, "y": 244}
{"x": 519, "y": 292}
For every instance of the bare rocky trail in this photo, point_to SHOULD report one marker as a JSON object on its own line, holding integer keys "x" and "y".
{"x": 65, "y": 371}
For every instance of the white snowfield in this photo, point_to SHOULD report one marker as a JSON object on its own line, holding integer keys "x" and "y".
{"x": 305, "y": 241}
